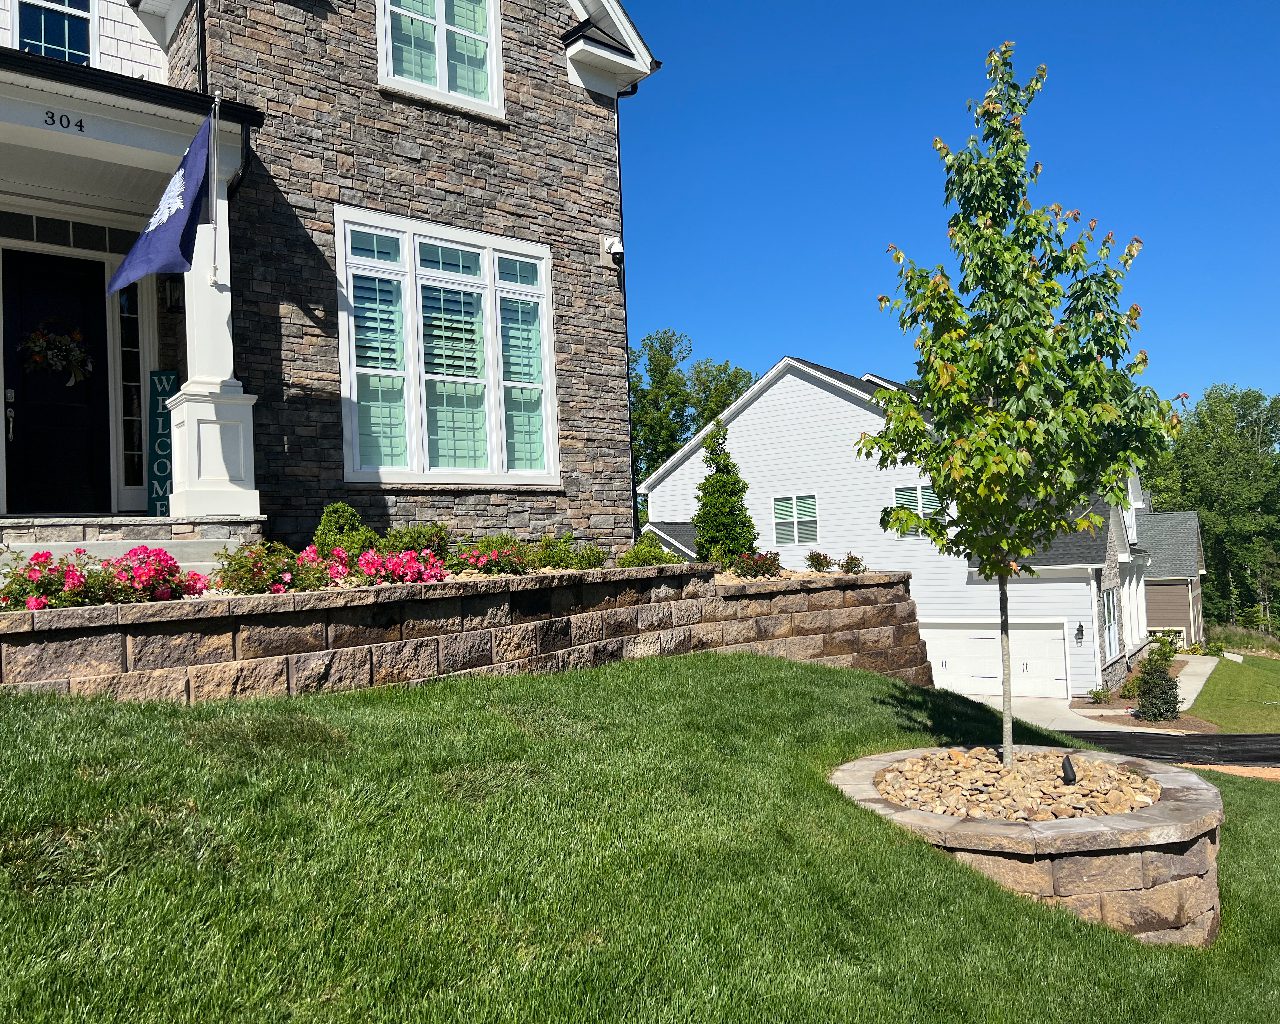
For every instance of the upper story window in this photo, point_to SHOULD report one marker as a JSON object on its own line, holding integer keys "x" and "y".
{"x": 449, "y": 50}
{"x": 795, "y": 520}
{"x": 62, "y": 29}
{"x": 448, "y": 366}
{"x": 920, "y": 499}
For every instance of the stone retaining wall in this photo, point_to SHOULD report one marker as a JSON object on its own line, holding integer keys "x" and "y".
{"x": 16, "y": 531}
{"x": 290, "y": 644}
{"x": 1152, "y": 873}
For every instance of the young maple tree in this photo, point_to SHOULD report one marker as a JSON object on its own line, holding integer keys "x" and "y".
{"x": 1026, "y": 408}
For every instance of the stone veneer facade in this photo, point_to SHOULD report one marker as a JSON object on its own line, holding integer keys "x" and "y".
{"x": 1152, "y": 874}
{"x": 295, "y": 644}
{"x": 548, "y": 173}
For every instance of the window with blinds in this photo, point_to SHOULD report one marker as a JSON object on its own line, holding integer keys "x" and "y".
{"x": 444, "y": 48}
{"x": 795, "y": 520}
{"x": 921, "y": 499}
{"x": 447, "y": 352}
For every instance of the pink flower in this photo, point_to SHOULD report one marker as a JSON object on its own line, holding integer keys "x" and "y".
{"x": 34, "y": 574}
{"x": 195, "y": 584}
{"x": 42, "y": 558}
{"x": 277, "y": 588}
{"x": 339, "y": 555}
{"x": 370, "y": 564}
{"x": 35, "y": 603}
{"x": 81, "y": 551}
{"x": 309, "y": 555}
{"x": 337, "y": 571}
{"x": 72, "y": 579}
{"x": 287, "y": 577}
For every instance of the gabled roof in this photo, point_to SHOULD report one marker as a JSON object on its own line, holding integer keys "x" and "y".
{"x": 1173, "y": 539}
{"x": 1086, "y": 549}
{"x": 606, "y": 45}
{"x": 853, "y": 386}
{"x": 681, "y": 538}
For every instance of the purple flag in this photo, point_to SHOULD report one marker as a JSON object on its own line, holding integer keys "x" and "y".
{"x": 169, "y": 239}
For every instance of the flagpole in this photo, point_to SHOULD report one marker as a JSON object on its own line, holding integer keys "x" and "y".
{"x": 212, "y": 190}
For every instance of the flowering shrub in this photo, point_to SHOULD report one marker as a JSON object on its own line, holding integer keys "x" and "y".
{"x": 76, "y": 580}
{"x": 851, "y": 565}
{"x": 275, "y": 569}
{"x": 754, "y": 565}
{"x": 498, "y": 555}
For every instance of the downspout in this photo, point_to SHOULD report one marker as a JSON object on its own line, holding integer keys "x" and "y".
{"x": 626, "y": 328}
{"x": 202, "y": 53}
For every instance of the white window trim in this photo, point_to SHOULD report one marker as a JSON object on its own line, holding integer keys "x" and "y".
{"x": 918, "y": 508}
{"x": 495, "y": 107}
{"x": 346, "y": 219}
{"x": 92, "y": 14}
{"x": 795, "y": 520}
{"x": 1110, "y": 626}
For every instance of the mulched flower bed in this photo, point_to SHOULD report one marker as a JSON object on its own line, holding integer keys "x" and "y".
{"x": 975, "y": 784}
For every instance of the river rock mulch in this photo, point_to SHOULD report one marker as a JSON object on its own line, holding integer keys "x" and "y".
{"x": 975, "y": 784}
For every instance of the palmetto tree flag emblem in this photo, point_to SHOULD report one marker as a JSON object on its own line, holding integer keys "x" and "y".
{"x": 169, "y": 239}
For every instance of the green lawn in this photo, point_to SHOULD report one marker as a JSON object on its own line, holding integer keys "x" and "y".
{"x": 1242, "y": 698}
{"x": 652, "y": 841}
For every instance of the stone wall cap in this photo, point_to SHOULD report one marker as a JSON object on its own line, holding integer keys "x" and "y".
{"x": 827, "y": 581}
{"x": 29, "y": 522}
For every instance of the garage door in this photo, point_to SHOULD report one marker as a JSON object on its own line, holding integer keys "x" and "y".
{"x": 967, "y": 659}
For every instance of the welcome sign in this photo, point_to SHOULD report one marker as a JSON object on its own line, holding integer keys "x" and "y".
{"x": 164, "y": 385}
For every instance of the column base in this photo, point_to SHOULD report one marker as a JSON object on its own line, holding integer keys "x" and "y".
{"x": 213, "y": 453}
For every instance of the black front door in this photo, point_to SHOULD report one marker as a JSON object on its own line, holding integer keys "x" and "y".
{"x": 57, "y": 428}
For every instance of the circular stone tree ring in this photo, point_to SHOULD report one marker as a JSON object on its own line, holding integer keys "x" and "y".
{"x": 1152, "y": 874}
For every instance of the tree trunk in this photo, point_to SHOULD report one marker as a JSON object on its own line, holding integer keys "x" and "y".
{"x": 1007, "y": 671}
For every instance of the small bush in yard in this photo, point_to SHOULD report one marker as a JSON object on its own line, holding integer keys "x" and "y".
{"x": 1157, "y": 688}
{"x": 341, "y": 527}
{"x": 818, "y": 561}
{"x": 722, "y": 523}
{"x": 851, "y": 565}
{"x": 755, "y": 565}
{"x": 647, "y": 551}
{"x": 78, "y": 580}
{"x": 419, "y": 537}
{"x": 1100, "y": 696}
{"x": 554, "y": 552}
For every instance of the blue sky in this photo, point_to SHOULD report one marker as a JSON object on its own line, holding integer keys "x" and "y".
{"x": 781, "y": 149}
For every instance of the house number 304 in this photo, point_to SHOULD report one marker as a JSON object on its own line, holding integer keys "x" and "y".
{"x": 55, "y": 120}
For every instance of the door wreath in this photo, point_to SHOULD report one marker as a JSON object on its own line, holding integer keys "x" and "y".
{"x": 49, "y": 349}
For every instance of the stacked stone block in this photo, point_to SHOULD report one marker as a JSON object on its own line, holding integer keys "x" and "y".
{"x": 295, "y": 644}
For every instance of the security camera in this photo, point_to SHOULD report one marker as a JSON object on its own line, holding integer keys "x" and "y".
{"x": 615, "y": 252}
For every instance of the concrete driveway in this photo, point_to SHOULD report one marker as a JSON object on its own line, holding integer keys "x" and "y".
{"x": 1056, "y": 713}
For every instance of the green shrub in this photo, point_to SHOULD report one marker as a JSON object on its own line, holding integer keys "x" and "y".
{"x": 1157, "y": 688}
{"x": 1102, "y": 696}
{"x": 1129, "y": 688}
{"x": 1215, "y": 648}
{"x": 818, "y": 561}
{"x": 851, "y": 565}
{"x": 341, "y": 527}
{"x": 554, "y": 552}
{"x": 722, "y": 523}
{"x": 433, "y": 537}
{"x": 647, "y": 551}
{"x": 267, "y": 568}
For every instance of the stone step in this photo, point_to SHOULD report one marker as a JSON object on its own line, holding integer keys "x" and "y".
{"x": 192, "y": 555}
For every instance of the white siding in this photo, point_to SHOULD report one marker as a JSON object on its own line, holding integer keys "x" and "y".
{"x": 798, "y": 437}
{"x": 123, "y": 44}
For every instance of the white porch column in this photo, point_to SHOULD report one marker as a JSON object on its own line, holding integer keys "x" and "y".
{"x": 212, "y": 416}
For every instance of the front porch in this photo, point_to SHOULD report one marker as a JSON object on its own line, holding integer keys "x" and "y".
{"x": 149, "y": 436}
{"x": 194, "y": 541}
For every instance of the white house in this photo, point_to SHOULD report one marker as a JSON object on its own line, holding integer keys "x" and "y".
{"x": 1076, "y": 625}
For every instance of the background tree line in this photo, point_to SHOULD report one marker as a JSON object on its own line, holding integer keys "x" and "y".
{"x": 1225, "y": 464}
{"x": 673, "y": 398}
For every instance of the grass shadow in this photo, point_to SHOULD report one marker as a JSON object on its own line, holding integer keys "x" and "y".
{"x": 958, "y": 721}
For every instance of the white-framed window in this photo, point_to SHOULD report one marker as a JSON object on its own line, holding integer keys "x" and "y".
{"x": 1110, "y": 626}
{"x": 920, "y": 499}
{"x": 61, "y": 29}
{"x": 795, "y": 520}
{"x": 447, "y": 354}
{"x": 446, "y": 50}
